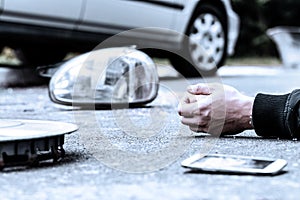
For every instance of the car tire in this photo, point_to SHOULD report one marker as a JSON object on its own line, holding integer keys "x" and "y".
{"x": 34, "y": 57}
{"x": 207, "y": 31}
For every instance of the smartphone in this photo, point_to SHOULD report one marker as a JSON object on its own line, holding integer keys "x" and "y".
{"x": 234, "y": 164}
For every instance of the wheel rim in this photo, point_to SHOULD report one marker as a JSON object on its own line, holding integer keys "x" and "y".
{"x": 207, "y": 34}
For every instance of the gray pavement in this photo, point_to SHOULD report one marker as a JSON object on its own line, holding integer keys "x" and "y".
{"x": 99, "y": 162}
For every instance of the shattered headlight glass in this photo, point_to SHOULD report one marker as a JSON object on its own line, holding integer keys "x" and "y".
{"x": 111, "y": 76}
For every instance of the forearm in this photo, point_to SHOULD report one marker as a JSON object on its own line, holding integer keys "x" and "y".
{"x": 239, "y": 115}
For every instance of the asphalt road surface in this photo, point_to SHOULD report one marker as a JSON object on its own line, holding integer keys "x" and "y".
{"x": 136, "y": 153}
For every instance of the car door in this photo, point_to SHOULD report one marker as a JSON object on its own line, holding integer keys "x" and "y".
{"x": 51, "y": 13}
{"x": 114, "y": 16}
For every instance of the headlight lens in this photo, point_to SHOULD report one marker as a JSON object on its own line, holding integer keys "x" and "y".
{"x": 104, "y": 77}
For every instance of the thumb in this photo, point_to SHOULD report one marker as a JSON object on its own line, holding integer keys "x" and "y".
{"x": 199, "y": 89}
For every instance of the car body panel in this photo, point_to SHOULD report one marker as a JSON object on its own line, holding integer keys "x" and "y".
{"x": 98, "y": 15}
{"x": 164, "y": 14}
{"x": 233, "y": 22}
{"x": 48, "y": 13}
{"x": 99, "y": 18}
{"x": 80, "y": 25}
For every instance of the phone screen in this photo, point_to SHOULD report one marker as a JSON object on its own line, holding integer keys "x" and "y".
{"x": 228, "y": 162}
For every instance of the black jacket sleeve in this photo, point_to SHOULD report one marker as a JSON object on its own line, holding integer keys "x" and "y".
{"x": 277, "y": 115}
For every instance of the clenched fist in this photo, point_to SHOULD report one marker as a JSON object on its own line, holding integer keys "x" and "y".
{"x": 215, "y": 108}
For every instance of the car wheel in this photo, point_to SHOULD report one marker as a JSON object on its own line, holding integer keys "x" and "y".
{"x": 207, "y": 33}
{"x": 35, "y": 57}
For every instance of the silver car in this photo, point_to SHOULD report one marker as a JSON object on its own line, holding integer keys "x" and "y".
{"x": 44, "y": 31}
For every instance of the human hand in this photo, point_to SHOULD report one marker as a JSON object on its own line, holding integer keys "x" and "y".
{"x": 215, "y": 108}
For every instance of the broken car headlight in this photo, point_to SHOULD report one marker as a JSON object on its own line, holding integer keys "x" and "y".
{"x": 121, "y": 75}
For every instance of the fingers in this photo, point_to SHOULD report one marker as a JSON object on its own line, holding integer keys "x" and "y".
{"x": 196, "y": 121}
{"x": 205, "y": 89}
{"x": 195, "y": 108}
{"x": 188, "y": 98}
{"x": 199, "y": 107}
{"x": 188, "y": 110}
{"x": 199, "y": 89}
{"x": 199, "y": 129}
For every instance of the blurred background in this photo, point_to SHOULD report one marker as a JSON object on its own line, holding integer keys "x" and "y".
{"x": 256, "y": 16}
{"x": 253, "y": 47}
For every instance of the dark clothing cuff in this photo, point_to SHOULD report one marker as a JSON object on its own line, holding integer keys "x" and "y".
{"x": 268, "y": 115}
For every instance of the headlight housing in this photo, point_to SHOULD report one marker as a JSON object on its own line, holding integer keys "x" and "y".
{"x": 111, "y": 76}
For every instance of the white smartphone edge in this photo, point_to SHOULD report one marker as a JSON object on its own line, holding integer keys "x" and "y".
{"x": 273, "y": 168}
